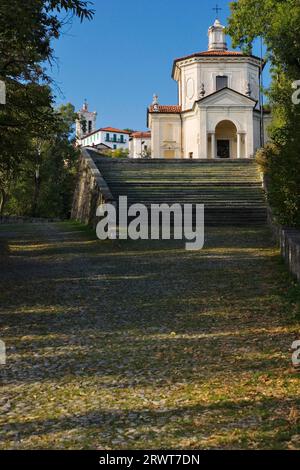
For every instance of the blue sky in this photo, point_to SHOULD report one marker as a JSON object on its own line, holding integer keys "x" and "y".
{"x": 118, "y": 60}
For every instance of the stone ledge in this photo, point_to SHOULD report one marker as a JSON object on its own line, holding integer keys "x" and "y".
{"x": 15, "y": 220}
{"x": 289, "y": 242}
{"x": 288, "y": 239}
{"x": 91, "y": 191}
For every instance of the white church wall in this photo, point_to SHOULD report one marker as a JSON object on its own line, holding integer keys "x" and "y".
{"x": 197, "y": 126}
{"x": 155, "y": 135}
{"x": 191, "y": 135}
{"x": 166, "y": 135}
{"x": 171, "y": 136}
{"x": 256, "y": 130}
{"x": 218, "y": 114}
{"x": 249, "y": 135}
{"x": 253, "y": 79}
{"x": 194, "y": 74}
{"x": 236, "y": 74}
{"x": 202, "y": 152}
{"x": 190, "y": 88}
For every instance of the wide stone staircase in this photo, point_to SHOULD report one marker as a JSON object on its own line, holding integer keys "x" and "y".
{"x": 231, "y": 190}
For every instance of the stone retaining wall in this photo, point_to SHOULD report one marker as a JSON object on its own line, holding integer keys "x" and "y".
{"x": 14, "y": 219}
{"x": 91, "y": 191}
{"x": 288, "y": 240}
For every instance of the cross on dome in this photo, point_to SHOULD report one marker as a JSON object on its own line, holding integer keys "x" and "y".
{"x": 217, "y": 9}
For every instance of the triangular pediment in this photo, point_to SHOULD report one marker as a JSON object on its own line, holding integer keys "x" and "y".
{"x": 226, "y": 97}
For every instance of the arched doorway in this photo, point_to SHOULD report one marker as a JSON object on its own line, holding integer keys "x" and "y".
{"x": 226, "y": 139}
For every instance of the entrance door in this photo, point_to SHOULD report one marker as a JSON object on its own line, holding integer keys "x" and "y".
{"x": 223, "y": 148}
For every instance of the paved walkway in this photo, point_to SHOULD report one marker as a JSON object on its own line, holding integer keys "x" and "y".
{"x": 143, "y": 345}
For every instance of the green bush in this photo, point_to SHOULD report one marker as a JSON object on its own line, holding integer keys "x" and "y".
{"x": 281, "y": 167}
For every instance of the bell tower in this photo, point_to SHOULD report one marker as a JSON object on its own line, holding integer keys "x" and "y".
{"x": 86, "y": 122}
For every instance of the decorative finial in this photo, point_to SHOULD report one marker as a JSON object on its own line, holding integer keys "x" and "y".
{"x": 202, "y": 91}
{"x": 85, "y": 105}
{"x": 155, "y": 99}
{"x": 155, "y": 103}
{"x": 217, "y": 36}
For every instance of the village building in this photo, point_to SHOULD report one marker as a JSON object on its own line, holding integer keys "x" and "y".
{"x": 140, "y": 145}
{"x": 109, "y": 137}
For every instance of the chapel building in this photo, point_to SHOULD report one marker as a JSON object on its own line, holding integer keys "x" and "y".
{"x": 218, "y": 114}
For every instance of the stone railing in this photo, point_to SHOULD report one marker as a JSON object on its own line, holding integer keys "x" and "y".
{"x": 91, "y": 191}
{"x": 288, "y": 240}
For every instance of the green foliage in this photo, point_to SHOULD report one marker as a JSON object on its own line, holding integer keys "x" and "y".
{"x": 118, "y": 153}
{"x": 56, "y": 159}
{"x": 27, "y": 116}
{"x": 147, "y": 153}
{"x": 26, "y": 33}
{"x": 280, "y": 160}
{"x": 276, "y": 21}
{"x": 283, "y": 182}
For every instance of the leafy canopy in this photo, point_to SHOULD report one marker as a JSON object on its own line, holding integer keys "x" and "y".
{"x": 278, "y": 23}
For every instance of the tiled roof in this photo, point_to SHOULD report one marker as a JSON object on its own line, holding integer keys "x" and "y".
{"x": 141, "y": 135}
{"x": 166, "y": 109}
{"x": 216, "y": 54}
{"x": 113, "y": 129}
{"x": 107, "y": 129}
{"x": 221, "y": 53}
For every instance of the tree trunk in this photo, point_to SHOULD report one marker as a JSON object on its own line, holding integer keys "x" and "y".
{"x": 35, "y": 196}
{"x": 3, "y": 201}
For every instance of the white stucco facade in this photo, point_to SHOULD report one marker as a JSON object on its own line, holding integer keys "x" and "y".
{"x": 111, "y": 137}
{"x": 140, "y": 145}
{"x": 218, "y": 113}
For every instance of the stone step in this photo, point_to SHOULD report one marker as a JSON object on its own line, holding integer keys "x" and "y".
{"x": 168, "y": 162}
{"x": 231, "y": 190}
